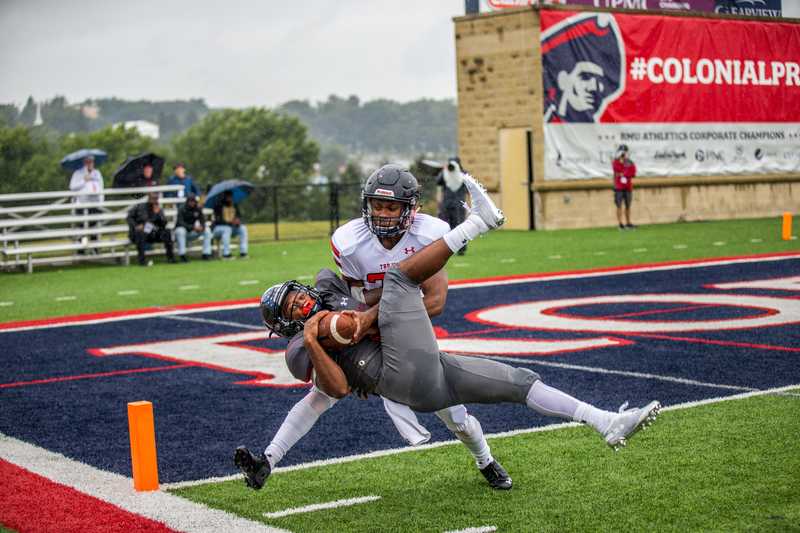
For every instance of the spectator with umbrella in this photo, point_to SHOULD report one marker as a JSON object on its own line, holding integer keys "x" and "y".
{"x": 143, "y": 170}
{"x": 224, "y": 198}
{"x": 86, "y": 180}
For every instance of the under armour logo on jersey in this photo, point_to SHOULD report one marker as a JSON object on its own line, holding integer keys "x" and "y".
{"x": 410, "y": 250}
{"x": 343, "y": 303}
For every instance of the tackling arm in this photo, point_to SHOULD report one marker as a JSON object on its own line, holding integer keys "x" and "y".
{"x": 330, "y": 377}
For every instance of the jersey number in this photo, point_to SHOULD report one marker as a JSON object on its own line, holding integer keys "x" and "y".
{"x": 375, "y": 277}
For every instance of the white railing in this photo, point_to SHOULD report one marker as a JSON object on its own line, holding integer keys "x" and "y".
{"x": 35, "y": 231}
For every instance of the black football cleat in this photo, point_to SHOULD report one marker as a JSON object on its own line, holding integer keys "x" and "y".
{"x": 497, "y": 476}
{"x": 256, "y": 469}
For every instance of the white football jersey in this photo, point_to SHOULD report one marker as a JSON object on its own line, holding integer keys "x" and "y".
{"x": 360, "y": 255}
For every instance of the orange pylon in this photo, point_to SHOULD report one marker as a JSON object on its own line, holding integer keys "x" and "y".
{"x": 143, "y": 446}
{"x": 786, "y": 232}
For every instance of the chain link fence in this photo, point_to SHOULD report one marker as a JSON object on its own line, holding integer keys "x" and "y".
{"x": 283, "y": 212}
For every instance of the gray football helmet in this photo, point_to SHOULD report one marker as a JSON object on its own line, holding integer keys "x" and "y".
{"x": 394, "y": 183}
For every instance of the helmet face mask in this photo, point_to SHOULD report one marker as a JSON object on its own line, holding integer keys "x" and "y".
{"x": 273, "y": 301}
{"x": 384, "y": 226}
{"x": 390, "y": 183}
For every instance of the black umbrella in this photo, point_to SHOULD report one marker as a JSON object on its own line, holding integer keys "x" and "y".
{"x": 131, "y": 172}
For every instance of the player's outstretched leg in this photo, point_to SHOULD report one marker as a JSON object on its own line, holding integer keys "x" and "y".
{"x": 484, "y": 216}
{"x": 255, "y": 468}
{"x": 615, "y": 428}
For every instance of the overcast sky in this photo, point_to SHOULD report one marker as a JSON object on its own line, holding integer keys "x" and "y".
{"x": 233, "y": 53}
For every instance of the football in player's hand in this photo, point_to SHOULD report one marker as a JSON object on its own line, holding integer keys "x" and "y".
{"x": 336, "y": 330}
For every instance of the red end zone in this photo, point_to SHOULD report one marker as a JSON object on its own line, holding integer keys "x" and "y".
{"x": 30, "y": 502}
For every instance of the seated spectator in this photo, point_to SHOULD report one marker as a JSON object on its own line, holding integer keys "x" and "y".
{"x": 147, "y": 224}
{"x": 190, "y": 225}
{"x": 180, "y": 177}
{"x": 227, "y": 224}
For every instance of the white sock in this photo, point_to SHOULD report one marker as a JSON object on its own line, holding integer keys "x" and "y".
{"x": 469, "y": 431}
{"x": 594, "y": 417}
{"x": 552, "y": 402}
{"x": 299, "y": 421}
{"x": 457, "y": 237}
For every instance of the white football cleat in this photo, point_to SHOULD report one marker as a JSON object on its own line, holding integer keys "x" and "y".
{"x": 482, "y": 204}
{"x": 628, "y": 422}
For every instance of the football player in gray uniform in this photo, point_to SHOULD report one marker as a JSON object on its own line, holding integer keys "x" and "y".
{"x": 405, "y": 365}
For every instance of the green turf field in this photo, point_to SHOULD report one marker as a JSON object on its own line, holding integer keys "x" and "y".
{"x": 729, "y": 466}
{"x": 87, "y": 288}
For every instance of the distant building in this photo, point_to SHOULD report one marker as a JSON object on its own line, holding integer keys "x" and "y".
{"x": 144, "y": 127}
{"x": 90, "y": 111}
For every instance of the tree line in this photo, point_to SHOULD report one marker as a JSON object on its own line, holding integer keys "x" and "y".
{"x": 373, "y": 127}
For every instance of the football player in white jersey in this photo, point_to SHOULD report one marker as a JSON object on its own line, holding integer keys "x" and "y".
{"x": 364, "y": 250}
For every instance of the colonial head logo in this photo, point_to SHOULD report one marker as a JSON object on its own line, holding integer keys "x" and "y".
{"x": 583, "y": 70}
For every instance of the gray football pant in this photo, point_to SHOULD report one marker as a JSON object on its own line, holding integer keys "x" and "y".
{"x": 417, "y": 374}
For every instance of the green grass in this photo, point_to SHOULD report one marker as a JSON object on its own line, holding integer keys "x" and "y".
{"x": 731, "y": 466}
{"x": 95, "y": 287}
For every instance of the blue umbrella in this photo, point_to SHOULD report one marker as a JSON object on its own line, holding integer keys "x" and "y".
{"x": 74, "y": 161}
{"x": 240, "y": 189}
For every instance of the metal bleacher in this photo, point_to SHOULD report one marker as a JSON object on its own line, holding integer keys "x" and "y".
{"x": 48, "y": 228}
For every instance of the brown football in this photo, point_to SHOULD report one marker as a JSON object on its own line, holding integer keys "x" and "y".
{"x": 336, "y": 330}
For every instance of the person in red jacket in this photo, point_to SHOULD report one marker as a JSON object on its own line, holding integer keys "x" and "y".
{"x": 624, "y": 172}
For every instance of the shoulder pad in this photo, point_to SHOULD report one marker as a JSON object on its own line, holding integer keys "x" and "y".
{"x": 428, "y": 228}
{"x": 347, "y": 237}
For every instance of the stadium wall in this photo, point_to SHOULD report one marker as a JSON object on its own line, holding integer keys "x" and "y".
{"x": 499, "y": 77}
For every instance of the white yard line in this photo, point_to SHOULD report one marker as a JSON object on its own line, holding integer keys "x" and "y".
{"x": 631, "y": 270}
{"x": 540, "y": 429}
{"x": 188, "y": 287}
{"x": 719, "y": 243}
{"x": 600, "y": 253}
{"x": 301, "y": 278}
{"x": 756, "y": 240}
{"x": 679, "y": 246}
{"x": 554, "y": 257}
{"x": 481, "y": 529}
{"x": 599, "y": 370}
{"x": 639, "y": 250}
{"x": 321, "y": 506}
{"x": 508, "y": 260}
{"x": 533, "y": 278}
{"x": 6, "y": 304}
{"x": 66, "y": 298}
{"x": 248, "y": 282}
{"x": 127, "y": 293}
{"x": 177, "y": 513}
{"x": 217, "y": 322}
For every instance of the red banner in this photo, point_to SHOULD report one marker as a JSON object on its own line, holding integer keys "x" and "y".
{"x": 686, "y": 95}
{"x": 681, "y": 69}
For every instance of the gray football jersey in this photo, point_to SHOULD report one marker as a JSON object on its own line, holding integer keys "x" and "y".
{"x": 354, "y": 360}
